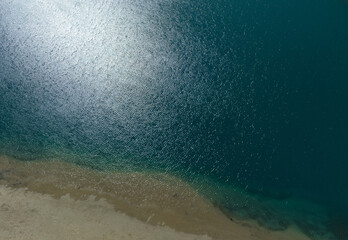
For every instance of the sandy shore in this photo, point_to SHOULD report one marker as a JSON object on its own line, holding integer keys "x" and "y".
{"x": 28, "y": 215}
{"x": 57, "y": 200}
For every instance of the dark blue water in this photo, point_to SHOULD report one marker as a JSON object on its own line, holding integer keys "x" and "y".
{"x": 248, "y": 95}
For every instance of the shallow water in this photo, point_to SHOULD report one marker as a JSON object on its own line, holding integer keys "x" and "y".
{"x": 152, "y": 197}
{"x": 245, "y": 101}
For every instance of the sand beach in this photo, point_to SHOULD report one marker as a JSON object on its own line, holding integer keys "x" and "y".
{"x": 56, "y": 200}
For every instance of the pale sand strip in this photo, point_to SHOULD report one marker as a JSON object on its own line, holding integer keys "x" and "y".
{"x": 28, "y": 215}
{"x": 156, "y": 199}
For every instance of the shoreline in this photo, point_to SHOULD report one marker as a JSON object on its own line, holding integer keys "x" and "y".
{"x": 152, "y": 199}
{"x": 29, "y": 215}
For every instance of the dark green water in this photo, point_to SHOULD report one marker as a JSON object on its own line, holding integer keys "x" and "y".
{"x": 246, "y": 100}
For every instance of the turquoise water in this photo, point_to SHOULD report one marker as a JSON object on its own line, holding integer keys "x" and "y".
{"x": 246, "y": 100}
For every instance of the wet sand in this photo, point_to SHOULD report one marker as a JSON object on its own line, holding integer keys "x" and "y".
{"x": 28, "y": 215}
{"x": 40, "y": 200}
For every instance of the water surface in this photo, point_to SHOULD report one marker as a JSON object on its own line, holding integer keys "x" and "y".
{"x": 232, "y": 96}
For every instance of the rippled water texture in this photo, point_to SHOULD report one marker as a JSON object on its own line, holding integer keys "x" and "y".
{"x": 246, "y": 97}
